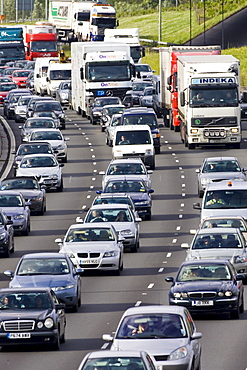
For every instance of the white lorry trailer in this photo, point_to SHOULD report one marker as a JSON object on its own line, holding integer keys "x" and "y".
{"x": 208, "y": 100}
{"x": 81, "y": 20}
{"x": 128, "y": 36}
{"x": 99, "y": 69}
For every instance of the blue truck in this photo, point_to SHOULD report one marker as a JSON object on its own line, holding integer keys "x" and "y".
{"x": 11, "y": 44}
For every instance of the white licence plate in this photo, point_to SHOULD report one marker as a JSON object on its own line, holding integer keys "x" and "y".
{"x": 215, "y": 141}
{"x": 202, "y": 303}
{"x": 18, "y": 335}
{"x": 88, "y": 262}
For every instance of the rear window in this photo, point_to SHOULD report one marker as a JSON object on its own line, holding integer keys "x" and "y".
{"x": 133, "y": 137}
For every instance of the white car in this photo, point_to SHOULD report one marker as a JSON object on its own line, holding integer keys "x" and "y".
{"x": 43, "y": 166}
{"x": 121, "y": 217}
{"x": 128, "y": 166}
{"x": 55, "y": 138}
{"x": 144, "y": 71}
{"x": 111, "y": 127}
{"x": 94, "y": 246}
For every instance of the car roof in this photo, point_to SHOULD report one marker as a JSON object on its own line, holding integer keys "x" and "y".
{"x": 109, "y": 206}
{"x": 219, "y": 230}
{"x": 114, "y": 106}
{"x": 38, "y": 143}
{"x": 10, "y": 192}
{"x": 38, "y": 119}
{"x": 223, "y": 217}
{"x": 113, "y": 195}
{"x": 37, "y": 155}
{"x": 154, "y": 309}
{"x": 227, "y": 185}
{"x": 25, "y": 290}
{"x": 142, "y": 110}
{"x": 125, "y": 178}
{"x": 109, "y": 353}
{"x": 133, "y": 128}
{"x": 206, "y": 262}
{"x": 19, "y": 178}
{"x": 221, "y": 159}
{"x": 126, "y": 160}
{"x": 93, "y": 225}
{"x": 45, "y": 255}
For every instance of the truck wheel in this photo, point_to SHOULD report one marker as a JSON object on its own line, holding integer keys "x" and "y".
{"x": 152, "y": 166}
{"x": 83, "y": 113}
{"x": 176, "y": 128}
{"x": 157, "y": 150}
{"x": 171, "y": 121}
{"x": 191, "y": 146}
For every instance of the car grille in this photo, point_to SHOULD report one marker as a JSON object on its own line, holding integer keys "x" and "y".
{"x": 88, "y": 255}
{"x": 206, "y": 295}
{"x": 89, "y": 266}
{"x": 18, "y": 325}
{"x": 161, "y": 357}
{"x": 135, "y": 155}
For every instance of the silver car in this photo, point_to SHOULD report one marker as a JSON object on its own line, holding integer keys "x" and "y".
{"x": 167, "y": 333}
{"x": 215, "y": 169}
{"x": 34, "y": 123}
{"x": 93, "y": 247}
{"x": 108, "y": 111}
{"x": 146, "y": 100}
{"x": 221, "y": 243}
{"x": 111, "y": 127}
{"x": 122, "y": 218}
{"x": 21, "y": 108}
{"x": 128, "y": 166}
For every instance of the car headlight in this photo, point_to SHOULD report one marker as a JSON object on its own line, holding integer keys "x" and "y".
{"x": 40, "y": 325}
{"x": 96, "y": 113}
{"x": 205, "y": 181}
{"x": 64, "y": 95}
{"x": 61, "y": 147}
{"x": 228, "y": 293}
{"x": 180, "y": 295}
{"x": 49, "y": 323}
{"x": 239, "y": 259}
{"x": 178, "y": 354}
{"x": 54, "y": 177}
{"x": 36, "y": 199}
{"x": 110, "y": 254}
{"x": 126, "y": 232}
{"x": 148, "y": 152}
{"x": 58, "y": 288}
{"x": 144, "y": 203}
{"x": 2, "y": 236}
{"x": 18, "y": 217}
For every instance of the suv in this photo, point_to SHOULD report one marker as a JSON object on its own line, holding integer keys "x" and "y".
{"x": 134, "y": 141}
{"x": 143, "y": 116}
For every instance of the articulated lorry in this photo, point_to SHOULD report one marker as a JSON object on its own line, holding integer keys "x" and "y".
{"x": 11, "y": 44}
{"x": 40, "y": 40}
{"x": 81, "y": 20}
{"x": 99, "y": 69}
{"x": 208, "y": 100}
{"x": 168, "y": 79}
{"x": 127, "y": 36}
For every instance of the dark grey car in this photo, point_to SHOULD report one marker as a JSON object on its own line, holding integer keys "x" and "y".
{"x": 63, "y": 93}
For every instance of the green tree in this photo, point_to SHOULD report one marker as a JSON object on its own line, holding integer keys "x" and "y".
{"x": 38, "y": 10}
{"x": 9, "y": 10}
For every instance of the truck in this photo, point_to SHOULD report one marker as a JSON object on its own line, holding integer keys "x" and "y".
{"x": 40, "y": 40}
{"x": 99, "y": 69}
{"x": 81, "y": 20}
{"x": 168, "y": 79}
{"x": 11, "y": 44}
{"x": 128, "y": 36}
{"x": 208, "y": 100}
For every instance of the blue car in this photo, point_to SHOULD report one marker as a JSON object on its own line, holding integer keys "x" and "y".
{"x": 53, "y": 270}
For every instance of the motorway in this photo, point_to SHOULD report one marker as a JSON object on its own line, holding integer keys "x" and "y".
{"x": 104, "y": 296}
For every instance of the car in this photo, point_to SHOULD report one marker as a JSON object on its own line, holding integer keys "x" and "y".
{"x": 15, "y": 206}
{"x": 214, "y": 169}
{"x": 50, "y": 105}
{"x": 110, "y": 129}
{"x": 11, "y": 100}
{"x": 5, "y": 78}
{"x": 7, "y": 241}
{"x": 128, "y": 166}
{"x": 97, "y": 107}
{"x": 30, "y": 81}
{"x": 45, "y": 167}
{"x": 136, "y": 189}
{"x": 138, "y": 88}
{"x": 34, "y": 123}
{"x": 222, "y": 243}
{"x": 8, "y": 71}
{"x": 144, "y": 71}
{"x": 49, "y": 270}
{"x": 121, "y": 198}
{"x": 48, "y": 114}
{"x": 20, "y": 77}
{"x": 63, "y": 92}
{"x": 126, "y": 360}
{"x": 122, "y": 218}
{"x": 144, "y": 116}
{"x": 146, "y": 100}
{"x": 31, "y": 316}
{"x": 20, "y": 109}
{"x": 30, "y": 189}
{"x": 32, "y": 102}
{"x": 108, "y": 111}
{"x": 31, "y": 148}
{"x": 55, "y": 138}
{"x": 94, "y": 247}
{"x": 208, "y": 286}
{"x": 167, "y": 333}
{"x": 5, "y": 87}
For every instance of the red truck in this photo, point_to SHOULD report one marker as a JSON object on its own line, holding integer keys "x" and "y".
{"x": 40, "y": 40}
{"x": 168, "y": 79}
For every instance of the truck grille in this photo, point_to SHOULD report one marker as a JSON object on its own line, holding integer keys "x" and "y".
{"x": 18, "y": 325}
{"x": 119, "y": 92}
{"x": 214, "y": 122}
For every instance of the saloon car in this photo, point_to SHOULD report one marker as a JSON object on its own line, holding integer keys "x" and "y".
{"x": 31, "y": 148}
{"x": 34, "y": 123}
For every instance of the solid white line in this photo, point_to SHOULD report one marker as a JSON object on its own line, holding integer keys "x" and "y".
{"x": 150, "y": 286}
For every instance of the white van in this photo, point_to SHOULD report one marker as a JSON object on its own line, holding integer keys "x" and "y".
{"x": 134, "y": 141}
{"x": 40, "y": 74}
{"x": 57, "y": 73}
{"x": 224, "y": 198}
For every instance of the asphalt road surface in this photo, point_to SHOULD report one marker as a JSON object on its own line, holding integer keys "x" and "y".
{"x": 104, "y": 296}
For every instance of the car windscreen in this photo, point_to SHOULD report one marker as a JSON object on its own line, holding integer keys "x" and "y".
{"x": 140, "y": 119}
{"x": 109, "y": 215}
{"x": 43, "y": 266}
{"x": 204, "y": 272}
{"x": 229, "y": 199}
{"x": 19, "y": 183}
{"x": 25, "y": 300}
{"x": 126, "y": 169}
{"x": 89, "y": 234}
{"x": 222, "y": 240}
{"x": 127, "y": 186}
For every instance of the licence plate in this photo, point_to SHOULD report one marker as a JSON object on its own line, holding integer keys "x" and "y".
{"x": 88, "y": 262}
{"x": 18, "y": 335}
{"x": 215, "y": 141}
{"x": 202, "y": 303}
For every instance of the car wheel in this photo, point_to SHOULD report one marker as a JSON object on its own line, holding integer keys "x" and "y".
{"x": 152, "y": 166}
{"x": 134, "y": 248}
{"x": 75, "y": 307}
{"x": 157, "y": 150}
{"x": 79, "y": 302}
{"x": 60, "y": 188}
{"x": 6, "y": 253}
{"x": 235, "y": 314}
{"x": 65, "y": 159}
{"x": 198, "y": 366}
{"x": 148, "y": 216}
{"x": 26, "y": 232}
{"x": 191, "y": 146}
{"x": 56, "y": 346}
{"x": 200, "y": 193}
{"x": 241, "y": 308}
{"x": 176, "y": 128}
{"x": 102, "y": 129}
{"x": 12, "y": 249}
{"x": 62, "y": 340}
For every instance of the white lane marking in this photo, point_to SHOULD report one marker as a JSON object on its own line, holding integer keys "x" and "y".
{"x": 89, "y": 144}
{"x": 161, "y": 269}
{"x": 79, "y": 128}
{"x": 138, "y": 303}
{"x": 177, "y": 160}
{"x": 183, "y": 185}
{"x": 173, "y": 153}
{"x": 87, "y": 138}
{"x": 83, "y": 133}
{"x": 180, "y": 216}
{"x": 182, "y": 176}
{"x": 75, "y": 124}
{"x": 162, "y": 137}
{"x": 178, "y": 228}
{"x": 105, "y": 345}
{"x": 166, "y": 141}
{"x": 174, "y": 241}
{"x": 168, "y": 254}
{"x": 95, "y": 170}
{"x": 93, "y": 178}
{"x": 88, "y": 196}
{"x": 183, "y": 194}
{"x": 180, "y": 168}
{"x": 83, "y": 207}
{"x": 164, "y": 262}
{"x": 93, "y": 156}
{"x": 70, "y": 178}
{"x": 150, "y": 286}
{"x": 169, "y": 147}
{"x": 91, "y": 187}
{"x": 94, "y": 163}
{"x": 91, "y": 149}
{"x": 144, "y": 293}
{"x": 182, "y": 205}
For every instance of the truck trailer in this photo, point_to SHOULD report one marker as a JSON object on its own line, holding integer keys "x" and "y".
{"x": 99, "y": 69}
{"x": 11, "y": 44}
{"x": 208, "y": 100}
{"x": 81, "y": 20}
{"x": 168, "y": 79}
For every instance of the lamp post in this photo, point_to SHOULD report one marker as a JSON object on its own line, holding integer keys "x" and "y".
{"x": 204, "y": 20}
{"x": 190, "y": 20}
{"x": 222, "y": 24}
{"x": 160, "y": 21}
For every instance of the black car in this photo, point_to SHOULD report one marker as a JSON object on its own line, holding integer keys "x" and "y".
{"x": 138, "y": 88}
{"x": 7, "y": 244}
{"x": 63, "y": 93}
{"x": 54, "y": 106}
{"x": 31, "y": 316}
{"x": 208, "y": 286}
{"x": 136, "y": 188}
{"x": 97, "y": 107}
{"x": 32, "y": 102}
{"x": 31, "y": 191}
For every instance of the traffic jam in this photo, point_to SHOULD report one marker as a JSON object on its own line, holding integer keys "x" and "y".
{"x": 122, "y": 205}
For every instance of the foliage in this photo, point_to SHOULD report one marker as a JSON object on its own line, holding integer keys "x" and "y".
{"x": 9, "y": 10}
{"x": 38, "y": 10}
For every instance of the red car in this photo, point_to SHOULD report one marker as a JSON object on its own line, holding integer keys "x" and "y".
{"x": 5, "y": 87}
{"x": 20, "y": 77}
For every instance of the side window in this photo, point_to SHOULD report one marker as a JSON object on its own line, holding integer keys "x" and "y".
{"x": 54, "y": 297}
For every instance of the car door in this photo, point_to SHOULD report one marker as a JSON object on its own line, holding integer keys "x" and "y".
{"x": 194, "y": 344}
{"x": 60, "y": 314}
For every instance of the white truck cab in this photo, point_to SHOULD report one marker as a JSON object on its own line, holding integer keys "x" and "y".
{"x": 57, "y": 72}
{"x": 40, "y": 74}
